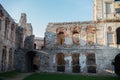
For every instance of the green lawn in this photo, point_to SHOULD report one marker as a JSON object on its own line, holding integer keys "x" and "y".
{"x": 48, "y": 76}
{"x": 9, "y": 74}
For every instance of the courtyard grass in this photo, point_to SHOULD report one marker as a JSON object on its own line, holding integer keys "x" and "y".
{"x": 8, "y": 74}
{"x": 48, "y": 76}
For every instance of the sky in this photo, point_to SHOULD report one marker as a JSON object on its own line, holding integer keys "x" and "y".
{"x": 42, "y": 12}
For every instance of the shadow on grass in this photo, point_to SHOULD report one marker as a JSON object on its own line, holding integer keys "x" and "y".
{"x": 48, "y": 76}
{"x": 9, "y": 74}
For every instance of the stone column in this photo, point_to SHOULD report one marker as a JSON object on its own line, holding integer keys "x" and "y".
{"x": 68, "y": 65}
{"x": 83, "y": 63}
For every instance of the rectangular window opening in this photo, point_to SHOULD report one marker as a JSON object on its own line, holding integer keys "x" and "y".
{"x": 108, "y": 7}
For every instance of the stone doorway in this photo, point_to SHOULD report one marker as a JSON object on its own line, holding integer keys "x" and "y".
{"x": 60, "y": 62}
{"x": 75, "y": 63}
{"x": 32, "y": 62}
{"x": 117, "y": 64}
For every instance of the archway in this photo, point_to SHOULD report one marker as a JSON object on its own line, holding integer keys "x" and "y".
{"x": 32, "y": 61}
{"x": 117, "y": 64}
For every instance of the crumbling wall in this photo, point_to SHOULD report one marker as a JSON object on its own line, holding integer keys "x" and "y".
{"x": 90, "y": 38}
{"x": 7, "y": 40}
{"x": 29, "y": 42}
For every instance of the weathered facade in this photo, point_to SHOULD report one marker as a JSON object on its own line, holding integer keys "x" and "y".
{"x": 70, "y": 47}
{"x": 24, "y": 53}
{"x": 106, "y": 9}
{"x": 7, "y": 41}
{"x": 86, "y": 47}
{"x": 16, "y": 43}
{"x": 82, "y": 47}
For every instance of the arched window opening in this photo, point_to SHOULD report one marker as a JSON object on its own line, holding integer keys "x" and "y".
{"x": 91, "y": 30}
{"x": 3, "y": 61}
{"x": 1, "y": 15}
{"x": 12, "y": 31}
{"x": 61, "y": 31}
{"x": 10, "y": 58}
{"x": 7, "y": 21}
{"x": 75, "y": 34}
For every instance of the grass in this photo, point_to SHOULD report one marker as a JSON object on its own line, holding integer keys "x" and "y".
{"x": 8, "y": 74}
{"x": 47, "y": 76}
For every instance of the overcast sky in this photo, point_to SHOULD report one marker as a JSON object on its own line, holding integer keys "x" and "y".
{"x": 41, "y": 12}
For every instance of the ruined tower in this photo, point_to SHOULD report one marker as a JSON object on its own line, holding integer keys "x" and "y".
{"x": 23, "y": 20}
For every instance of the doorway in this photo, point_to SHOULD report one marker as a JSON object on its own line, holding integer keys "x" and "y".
{"x": 117, "y": 64}
{"x": 75, "y": 63}
{"x": 91, "y": 63}
{"x": 60, "y": 62}
{"x": 32, "y": 61}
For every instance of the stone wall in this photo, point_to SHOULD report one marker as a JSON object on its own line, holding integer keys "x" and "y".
{"x": 96, "y": 36}
{"x": 24, "y": 45}
{"x": 38, "y": 43}
{"x": 97, "y": 39}
{"x": 29, "y": 42}
{"x": 103, "y": 60}
{"x": 106, "y": 10}
{"x": 16, "y": 40}
{"x": 7, "y": 40}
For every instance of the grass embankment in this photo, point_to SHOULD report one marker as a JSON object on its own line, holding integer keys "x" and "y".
{"x": 8, "y": 74}
{"x": 47, "y": 76}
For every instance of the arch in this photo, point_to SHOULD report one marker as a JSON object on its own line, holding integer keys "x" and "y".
{"x": 75, "y": 34}
{"x": 75, "y": 30}
{"x": 117, "y": 64}
{"x": 12, "y": 31}
{"x": 4, "y": 56}
{"x": 61, "y": 31}
{"x": 91, "y": 30}
{"x": 7, "y": 21}
{"x": 32, "y": 62}
{"x": 1, "y": 14}
{"x": 60, "y": 62}
{"x": 10, "y": 58}
{"x": 118, "y": 35}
